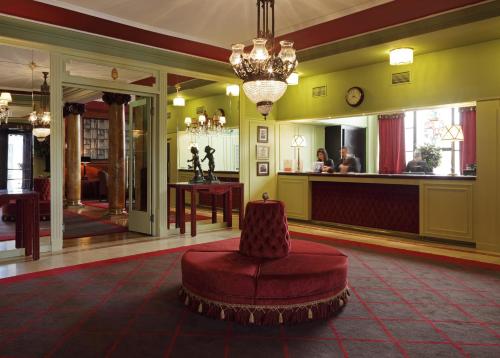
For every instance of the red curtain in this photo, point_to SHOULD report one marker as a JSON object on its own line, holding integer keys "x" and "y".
{"x": 468, "y": 146}
{"x": 391, "y": 143}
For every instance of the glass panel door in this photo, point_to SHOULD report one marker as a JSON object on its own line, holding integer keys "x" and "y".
{"x": 139, "y": 166}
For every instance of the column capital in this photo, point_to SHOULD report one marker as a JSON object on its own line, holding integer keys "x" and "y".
{"x": 73, "y": 108}
{"x": 119, "y": 98}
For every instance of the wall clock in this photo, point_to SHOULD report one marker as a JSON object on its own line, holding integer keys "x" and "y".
{"x": 354, "y": 96}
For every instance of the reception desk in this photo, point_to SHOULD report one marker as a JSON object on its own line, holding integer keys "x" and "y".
{"x": 423, "y": 205}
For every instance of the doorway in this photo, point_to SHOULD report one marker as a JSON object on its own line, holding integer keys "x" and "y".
{"x": 108, "y": 195}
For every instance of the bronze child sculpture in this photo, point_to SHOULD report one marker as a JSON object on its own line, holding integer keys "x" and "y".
{"x": 198, "y": 172}
{"x": 209, "y": 154}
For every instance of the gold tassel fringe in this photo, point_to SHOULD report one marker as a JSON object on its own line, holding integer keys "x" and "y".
{"x": 251, "y": 319}
{"x": 222, "y": 314}
{"x": 310, "y": 314}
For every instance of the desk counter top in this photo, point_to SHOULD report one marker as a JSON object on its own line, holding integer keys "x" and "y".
{"x": 381, "y": 176}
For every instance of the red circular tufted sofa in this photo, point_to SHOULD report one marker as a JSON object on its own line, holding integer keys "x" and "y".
{"x": 265, "y": 277}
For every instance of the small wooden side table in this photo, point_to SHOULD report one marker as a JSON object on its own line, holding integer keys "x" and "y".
{"x": 27, "y": 219}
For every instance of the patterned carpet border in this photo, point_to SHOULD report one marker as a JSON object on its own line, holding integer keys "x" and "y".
{"x": 379, "y": 248}
{"x": 407, "y": 252}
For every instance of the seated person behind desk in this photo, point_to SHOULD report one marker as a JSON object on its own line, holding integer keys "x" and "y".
{"x": 417, "y": 164}
{"x": 327, "y": 163}
{"x": 348, "y": 163}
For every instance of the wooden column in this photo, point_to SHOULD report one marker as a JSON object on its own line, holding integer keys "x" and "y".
{"x": 72, "y": 112}
{"x": 116, "y": 151}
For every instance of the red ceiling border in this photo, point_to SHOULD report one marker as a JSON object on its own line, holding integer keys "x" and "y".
{"x": 375, "y": 18}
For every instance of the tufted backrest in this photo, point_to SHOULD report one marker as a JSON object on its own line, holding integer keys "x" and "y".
{"x": 265, "y": 231}
{"x": 42, "y": 186}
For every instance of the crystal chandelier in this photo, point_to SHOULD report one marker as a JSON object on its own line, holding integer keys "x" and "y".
{"x": 40, "y": 120}
{"x": 204, "y": 125}
{"x": 264, "y": 73}
{"x": 5, "y": 99}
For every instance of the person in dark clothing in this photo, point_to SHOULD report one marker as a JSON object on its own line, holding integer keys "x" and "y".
{"x": 417, "y": 164}
{"x": 348, "y": 163}
{"x": 328, "y": 164}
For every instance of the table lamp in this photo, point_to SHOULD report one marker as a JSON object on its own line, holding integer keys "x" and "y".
{"x": 298, "y": 141}
{"x": 85, "y": 160}
{"x": 452, "y": 133}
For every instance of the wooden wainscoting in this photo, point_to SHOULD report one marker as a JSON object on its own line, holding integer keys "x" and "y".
{"x": 294, "y": 191}
{"x": 446, "y": 210}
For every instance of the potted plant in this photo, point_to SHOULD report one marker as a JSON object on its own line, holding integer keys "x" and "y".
{"x": 431, "y": 154}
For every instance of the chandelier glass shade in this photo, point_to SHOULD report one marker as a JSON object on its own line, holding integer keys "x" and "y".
{"x": 5, "y": 99}
{"x": 264, "y": 71}
{"x": 205, "y": 125}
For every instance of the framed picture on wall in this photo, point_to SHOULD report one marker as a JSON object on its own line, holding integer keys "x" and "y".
{"x": 262, "y": 169}
{"x": 262, "y": 134}
{"x": 262, "y": 152}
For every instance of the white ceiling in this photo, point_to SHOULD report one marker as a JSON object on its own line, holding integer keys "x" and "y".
{"x": 217, "y": 22}
{"x": 15, "y": 73}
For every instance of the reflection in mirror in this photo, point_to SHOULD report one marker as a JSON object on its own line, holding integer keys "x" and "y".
{"x": 202, "y": 113}
{"x": 24, "y": 161}
{"x": 91, "y": 70}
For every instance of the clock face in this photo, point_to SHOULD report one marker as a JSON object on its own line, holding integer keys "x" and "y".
{"x": 354, "y": 96}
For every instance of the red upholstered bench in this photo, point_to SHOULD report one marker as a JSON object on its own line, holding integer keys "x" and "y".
{"x": 261, "y": 280}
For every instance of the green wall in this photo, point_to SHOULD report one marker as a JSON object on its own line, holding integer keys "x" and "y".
{"x": 451, "y": 76}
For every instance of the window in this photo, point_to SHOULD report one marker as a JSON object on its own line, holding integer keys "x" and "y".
{"x": 424, "y": 127}
{"x": 95, "y": 138}
{"x": 15, "y": 161}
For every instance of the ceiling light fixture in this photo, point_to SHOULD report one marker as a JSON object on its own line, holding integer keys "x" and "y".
{"x": 179, "y": 101}
{"x": 205, "y": 125}
{"x": 5, "y": 99}
{"x": 293, "y": 79}
{"x": 264, "y": 73}
{"x": 232, "y": 90}
{"x": 401, "y": 56}
{"x": 40, "y": 120}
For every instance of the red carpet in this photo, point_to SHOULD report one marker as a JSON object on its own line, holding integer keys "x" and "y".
{"x": 400, "y": 306}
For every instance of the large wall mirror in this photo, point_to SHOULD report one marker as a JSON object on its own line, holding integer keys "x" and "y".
{"x": 202, "y": 113}
{"x": 24, "y": 135}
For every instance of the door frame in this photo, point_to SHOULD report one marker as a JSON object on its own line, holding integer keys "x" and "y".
{"x": 149, "y": 215}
